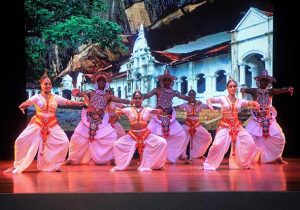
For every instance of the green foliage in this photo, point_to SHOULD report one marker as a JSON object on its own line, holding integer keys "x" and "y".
{"x": 80, "y": 30}
{"x": 40, "y": 14}
{"x": 68, "y": 24}
{"x": 36, "y": 51}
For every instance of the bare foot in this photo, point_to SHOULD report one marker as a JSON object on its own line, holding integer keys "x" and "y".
{"x": 281, "y": 161}
{"x": 9, "y": 170}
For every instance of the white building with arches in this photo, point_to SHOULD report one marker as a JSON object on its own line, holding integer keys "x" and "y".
{"x": 252, "y": 46}
{"x": 205, "y": 64}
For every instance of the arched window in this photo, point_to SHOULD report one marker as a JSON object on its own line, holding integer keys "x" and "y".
{"x": 200, "y": 83}
{"x": 119, "y": 92}
{"x": 129, "y": 87}
{"x": 248, "y": 76}
{"x": 138, "y": 76}
{"x": 221, "y": 80}
{"x": 184, "y": 85}
{"x": 67, "y": 94}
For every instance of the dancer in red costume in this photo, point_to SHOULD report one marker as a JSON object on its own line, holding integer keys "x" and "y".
{"x": 151, "y": 148}
{"x": 231, "y": 132}
{"x": 199, "y": 138}
{"x": 43, "y": 135}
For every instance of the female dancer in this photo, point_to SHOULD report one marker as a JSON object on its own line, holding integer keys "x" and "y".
{"x": 43, "y": 135}
{"x": 231, "y": 132}
{"x": 151, "y": 148}
{"x": 199, "y": 138}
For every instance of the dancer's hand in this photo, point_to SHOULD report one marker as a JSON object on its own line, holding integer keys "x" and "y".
{"x": 254, "y": 105}
{"x": 210, "y": 107}
{"x": 131, "y": 103}
{"x": 22, "y": 110}
{"x": 86, "y": 100}
{"x": 75, "y": 92}
{"x": 291, "y": 90}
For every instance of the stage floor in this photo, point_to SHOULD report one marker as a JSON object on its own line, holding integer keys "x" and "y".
{"x": 173, "y": 178}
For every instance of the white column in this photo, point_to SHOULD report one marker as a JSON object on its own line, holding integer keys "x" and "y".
{"x": 134, "y": 85}
{"x": 179, "y": 85}
{"x": 190, "y": 84}
{"x": 242, "y": 74}
{"x": 175, "y": 86}
{"x": 255, "y": 73}
{"x": 208, "y": 85}
{"x": 268, "y": 65}
{"x": 195, "y": 84}
{"x": 152, "y": 101}
{"x": 213, "y": 82}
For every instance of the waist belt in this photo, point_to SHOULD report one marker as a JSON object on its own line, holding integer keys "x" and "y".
{"x": 139, "y": 137}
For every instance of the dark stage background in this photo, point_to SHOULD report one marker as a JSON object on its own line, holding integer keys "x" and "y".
{"x": 13, "y": 75}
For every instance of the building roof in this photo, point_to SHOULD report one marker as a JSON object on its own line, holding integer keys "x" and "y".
{"x": 202, "y": 42}
{"x": 119, "y": 75}
{"x": 174, "y": 59}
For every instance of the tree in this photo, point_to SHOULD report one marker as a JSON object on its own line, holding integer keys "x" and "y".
{"x": 54, "y": 29}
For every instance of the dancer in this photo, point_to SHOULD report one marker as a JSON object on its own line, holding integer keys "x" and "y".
{"x": 199, "y": 138}
{"x": 266, "y": 132}
{"x": 42, "y": 136}
{"x": 151, "y": 148}
{"x": 165, "y": 125}
{"x": 113, "y": 118}
{"x": 93, "y": 138}
{"x": 231, "y": 132}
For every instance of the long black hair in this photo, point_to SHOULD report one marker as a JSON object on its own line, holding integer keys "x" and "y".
{"x": 136, "y": 92}
{"x": 192, "y": 91}
{"x": 231, "y": 80}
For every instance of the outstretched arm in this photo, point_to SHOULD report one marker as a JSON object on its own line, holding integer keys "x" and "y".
{"x": 182, "y": 96}
{"x": 118, "y": 105}
{"x": 119, "y": 100}
{"x": 119, "y": 112}
{"x": 210, "y": 101}
{"x": 76, "y": 103}
{"x": 156, "y": 111}
{"x": 253, "y": 105}
{"x": 250, "y": 91}
{"x": 150, "y": 94}
{"x": 278, "y": 91}
{"x": 78, "y": 93}
{"x": 25, "y": 105}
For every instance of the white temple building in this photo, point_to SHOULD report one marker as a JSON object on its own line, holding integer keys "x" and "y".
{"x": 206, "y": 63}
